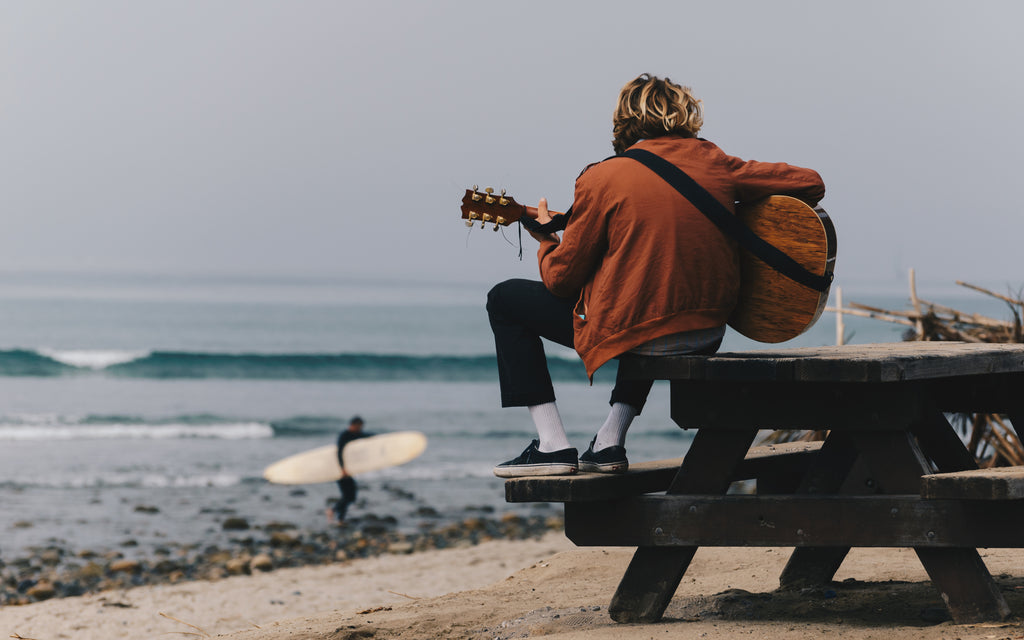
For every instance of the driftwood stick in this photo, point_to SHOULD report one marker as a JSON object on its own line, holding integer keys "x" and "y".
{"x": 975, "y": 427}
{"x": 918, "y": 324}
{"x": 966, "y": 337}
{"x": 1002, "y": 446}
{"x": 877, "y": 315}
{"x": 867, "y": 307}
{"x": 1019, "y": 303}
{"x": 840, "y": 328}
{"x": 1010, "y": 445}
{"x": 939, "y": 310}
{"x": 974, "y": 318}
{"x": 201, "y": 632}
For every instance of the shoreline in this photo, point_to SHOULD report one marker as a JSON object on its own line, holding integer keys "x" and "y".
{"x": 510, "y": 589}
{"x": 205, "y": 608}
{"x": 57, "y": 571}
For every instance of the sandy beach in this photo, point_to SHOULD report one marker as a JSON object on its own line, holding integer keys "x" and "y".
{"x": 542, "y": 587}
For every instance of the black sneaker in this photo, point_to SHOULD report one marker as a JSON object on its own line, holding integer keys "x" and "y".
{"x": 532, "y": 462}
{"x": 609, "y": 460}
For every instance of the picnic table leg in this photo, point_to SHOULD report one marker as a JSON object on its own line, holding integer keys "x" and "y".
{"x": 966, "y": 586}
{"x": 654, "y": 573}
{"x": 813, "y": 566}
{"x": 940, "y": 442}
{"x": 960, "y": 574}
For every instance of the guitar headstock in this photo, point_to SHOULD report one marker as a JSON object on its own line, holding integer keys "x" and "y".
{"x": 487, "y": 207}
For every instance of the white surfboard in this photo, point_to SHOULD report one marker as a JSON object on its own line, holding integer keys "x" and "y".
{"x": 365, "y": 454}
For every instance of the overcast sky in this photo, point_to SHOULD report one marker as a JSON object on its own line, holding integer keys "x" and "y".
{"x": 337, "y": 138}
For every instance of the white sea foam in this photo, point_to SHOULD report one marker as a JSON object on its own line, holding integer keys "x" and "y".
{"x": 92, "y": 358}
{"x": 155, "y": 481}
{"x": 445, "y": 471}
{"x": 58, "y": 431}
{"x": 122, "y": 480}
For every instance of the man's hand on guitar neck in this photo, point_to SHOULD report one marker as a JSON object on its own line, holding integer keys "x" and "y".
{"x": 541, "y": 215}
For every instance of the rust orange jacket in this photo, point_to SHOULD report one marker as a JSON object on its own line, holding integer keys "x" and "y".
{"x": 641, "y": 260}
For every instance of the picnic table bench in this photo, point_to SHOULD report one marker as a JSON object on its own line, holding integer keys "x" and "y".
{"x": 892, "y": 471}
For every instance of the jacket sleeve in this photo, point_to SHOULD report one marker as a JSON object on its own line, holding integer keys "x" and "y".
{"x": 756, "y": 180}
{"x": 566, "y": 266}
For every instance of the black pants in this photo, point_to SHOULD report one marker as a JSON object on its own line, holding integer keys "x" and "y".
{"x": 521, "y": 313}
{"x": 347, "y": 486}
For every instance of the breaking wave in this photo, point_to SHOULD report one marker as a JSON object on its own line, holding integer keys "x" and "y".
{"x": 366, "y": 367}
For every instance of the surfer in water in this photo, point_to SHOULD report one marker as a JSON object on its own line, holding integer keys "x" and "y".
{"x": 347, "y": 484}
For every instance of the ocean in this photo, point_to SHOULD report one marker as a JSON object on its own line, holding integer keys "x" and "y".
{"x": 137, "y": 410}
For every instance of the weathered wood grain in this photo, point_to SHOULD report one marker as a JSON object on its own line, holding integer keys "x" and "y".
{"x": 885, "y": 362}
{"x": 963, "y": 580}
{"x": 650, "y": 477}
{"x": 1000, "y": 483}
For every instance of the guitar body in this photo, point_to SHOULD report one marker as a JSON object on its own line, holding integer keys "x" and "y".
{"x": 773, "y": 308}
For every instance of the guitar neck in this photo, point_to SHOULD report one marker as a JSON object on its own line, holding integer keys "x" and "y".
{"x": 533, "y": 211}
{"x": 486, "y": 206}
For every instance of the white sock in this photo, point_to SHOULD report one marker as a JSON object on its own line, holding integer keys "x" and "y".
{"x": 549, "y": 427}
{"x": 613, "y": 432}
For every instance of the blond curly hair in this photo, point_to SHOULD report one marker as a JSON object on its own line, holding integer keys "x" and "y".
{"x": 650, "y": 107}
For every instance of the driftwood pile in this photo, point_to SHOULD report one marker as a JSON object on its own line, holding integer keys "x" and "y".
{"x": 990, "y": 437}
{"x": 930, "y": 321}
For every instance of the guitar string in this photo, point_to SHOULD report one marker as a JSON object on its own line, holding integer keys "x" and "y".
{"x": 469, "y": 232}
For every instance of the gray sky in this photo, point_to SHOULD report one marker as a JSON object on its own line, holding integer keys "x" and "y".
{"x": 336, "y": 138}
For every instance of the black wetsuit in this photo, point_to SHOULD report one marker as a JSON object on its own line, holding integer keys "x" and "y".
{"x": 347, "y": 484}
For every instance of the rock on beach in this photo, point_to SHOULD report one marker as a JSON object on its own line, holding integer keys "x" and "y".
{"x": 56, "y": 571}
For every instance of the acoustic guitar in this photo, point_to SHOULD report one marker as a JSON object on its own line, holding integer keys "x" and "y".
{"x": 772, "y": 307}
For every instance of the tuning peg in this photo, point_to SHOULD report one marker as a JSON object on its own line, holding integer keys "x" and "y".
{"x": 503, "y": 201}
{"x": 476, "y": 193}
{"x": 469, "y": 223}
{"x": 489, "y": 199}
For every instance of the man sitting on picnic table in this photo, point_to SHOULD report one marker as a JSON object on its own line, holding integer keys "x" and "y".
{"x": 637, "y": 270}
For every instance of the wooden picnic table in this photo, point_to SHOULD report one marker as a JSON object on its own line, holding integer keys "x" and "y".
{"x": 892, "y": 471}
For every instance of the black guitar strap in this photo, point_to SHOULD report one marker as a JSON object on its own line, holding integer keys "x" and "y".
{"x": 727, "y": 222}
{"x": 557, "y": 223}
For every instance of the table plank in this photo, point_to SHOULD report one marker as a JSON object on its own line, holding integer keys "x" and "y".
{"x": 649, "y": 477}
{"x": 885, "y": 362}
{"x": 790, "y": 405}
{"x": 801, "y": 521}
{"x": 1000, "y": 483}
